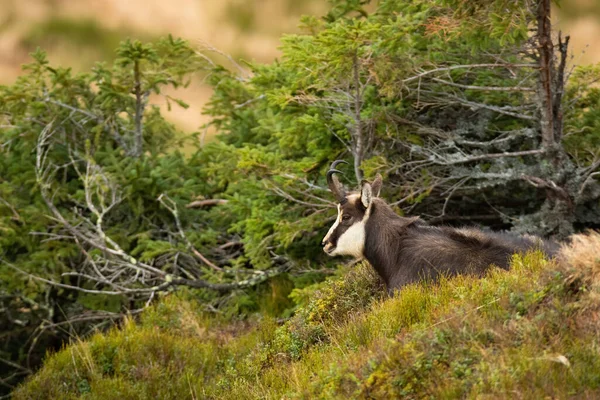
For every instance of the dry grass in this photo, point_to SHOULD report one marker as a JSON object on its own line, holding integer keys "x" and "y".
{"x": 581, "y": 258}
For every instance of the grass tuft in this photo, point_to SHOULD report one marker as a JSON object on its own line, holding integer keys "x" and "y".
{"x": 581, "y": 259}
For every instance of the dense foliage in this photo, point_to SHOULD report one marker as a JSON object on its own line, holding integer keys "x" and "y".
{"x": 100, "y": 211}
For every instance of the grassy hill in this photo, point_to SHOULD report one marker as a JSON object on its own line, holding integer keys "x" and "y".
{"x": 531, "y": 332}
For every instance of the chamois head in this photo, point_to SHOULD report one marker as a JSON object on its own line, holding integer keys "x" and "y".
{"x": 347, "y": 235}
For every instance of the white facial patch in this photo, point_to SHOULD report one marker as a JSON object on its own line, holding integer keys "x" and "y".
{"x": 352, "y": 241}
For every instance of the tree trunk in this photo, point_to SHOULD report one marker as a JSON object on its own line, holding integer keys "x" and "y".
{"x": 140, "y": 105}
{"x": 557, "y": 212}
{"x": 546, "y": 74}
{"x": 359, "y": 140}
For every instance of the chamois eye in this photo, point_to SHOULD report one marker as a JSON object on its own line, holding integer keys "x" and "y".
{"x": 345, "y": 217}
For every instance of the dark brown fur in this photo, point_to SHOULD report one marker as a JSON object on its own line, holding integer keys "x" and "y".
{"x": 406, "y": 250}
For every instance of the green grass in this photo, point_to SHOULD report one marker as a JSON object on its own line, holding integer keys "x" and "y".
{"x": 527, "y": 333}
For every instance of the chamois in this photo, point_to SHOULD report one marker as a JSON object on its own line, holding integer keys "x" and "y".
{"x": 406, "y": 250}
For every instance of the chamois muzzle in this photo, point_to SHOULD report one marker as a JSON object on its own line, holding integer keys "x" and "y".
{"x": 333, "y": 182}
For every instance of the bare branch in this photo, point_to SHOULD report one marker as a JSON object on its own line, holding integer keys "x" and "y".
{"x": 99, "y": 119}
{"x": 485, "y": 88}
{"x": 207, "y": 47}
{"x": 141, "y": 100}
{"x": 241, "y": 105}
{"x": 170, "y": 205}
{"x": 206, "y": 203}
{"x": 291, "y": 198}
{"x": 586, "y": 182}
{"x": 549, "y": 185}
{"x": 16, "y": 215}
{"x": 505, "y": 110}
{"x": 16, "y": 366}
{"x": 113, "y": 271}
{"x": 453, "y": 159}
{"x": 468, "y": 66}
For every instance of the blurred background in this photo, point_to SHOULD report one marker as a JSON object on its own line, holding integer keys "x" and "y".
{"x": 77, "y": 33}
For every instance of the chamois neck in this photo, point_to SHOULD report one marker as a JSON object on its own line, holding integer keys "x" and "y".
{"x": 383, "y": 235}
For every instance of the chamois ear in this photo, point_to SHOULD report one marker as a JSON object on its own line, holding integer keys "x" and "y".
{"x": 366, "y": 194}
{"x": 376, "y": 185}
{"x": 411, "y": 221}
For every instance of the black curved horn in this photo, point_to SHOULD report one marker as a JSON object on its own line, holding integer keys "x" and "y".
{"x": 333, "y": 182}
{"x": 336, "y": 163}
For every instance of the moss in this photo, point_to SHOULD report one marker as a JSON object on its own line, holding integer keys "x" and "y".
{"x": 525, "y": 331}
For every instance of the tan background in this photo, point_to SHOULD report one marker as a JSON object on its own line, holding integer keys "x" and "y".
{"x": 248, "y": 29}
